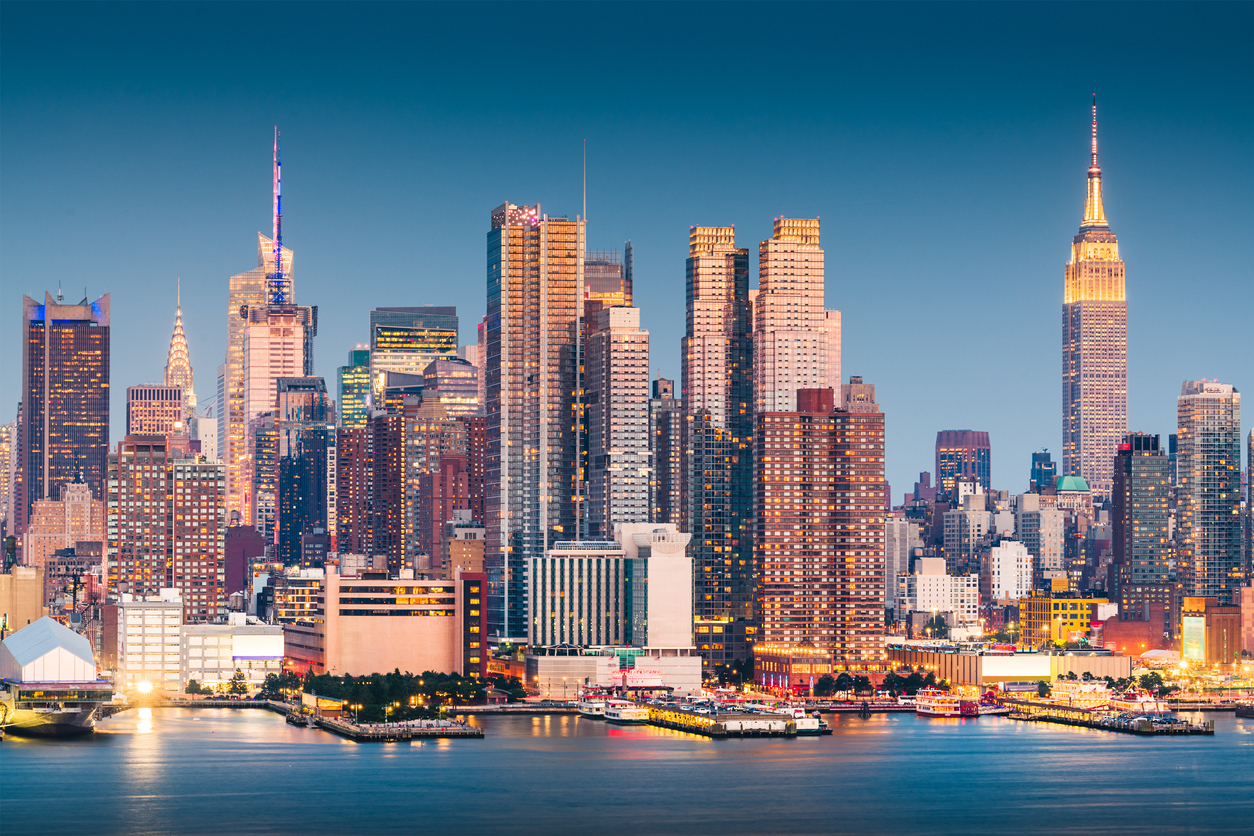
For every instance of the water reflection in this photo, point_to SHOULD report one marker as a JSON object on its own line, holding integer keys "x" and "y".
{"x": 180, "y": 771}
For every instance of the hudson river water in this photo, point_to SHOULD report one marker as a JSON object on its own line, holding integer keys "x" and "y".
{"x": 223, "y": 771}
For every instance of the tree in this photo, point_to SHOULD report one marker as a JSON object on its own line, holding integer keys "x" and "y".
{"x": 193, "y": 687}
{"x": 239, "y": 685}
{"x": 861, "y": 684}
{"x": 844, "y": 682}
{"x": 937, "y": 628}
{"x": 1152, "y": 681}
{"x": 826, "y": 686}
{"x": 1042, "y": 689}
{"x": 894, "y": 683}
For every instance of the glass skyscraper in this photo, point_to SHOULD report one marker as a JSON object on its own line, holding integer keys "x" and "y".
{"x": 355, "y": 390}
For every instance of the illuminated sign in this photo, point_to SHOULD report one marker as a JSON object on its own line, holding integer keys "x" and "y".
{"x": 1193, "y": 644}
{"x": 257, "y": 648}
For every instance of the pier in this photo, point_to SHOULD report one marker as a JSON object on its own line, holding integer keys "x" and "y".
{"x": 391, "y": 732}
{"x": 1104, "y": 720}
{"x": 730, "y": 724}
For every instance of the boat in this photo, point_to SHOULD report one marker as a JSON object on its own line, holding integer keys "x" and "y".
{"x": 592, "y": 704}
{"x": 626, "y": 713}
{"x": 933, "y": 702}
{"x": 295, "y": 719}
{"x": 48, "y": 684}
{"x": 1138, "y": 701}
{"x": 1245, "y": 709}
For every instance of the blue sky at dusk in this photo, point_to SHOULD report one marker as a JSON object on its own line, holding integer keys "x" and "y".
{"x": 944, "y": 147}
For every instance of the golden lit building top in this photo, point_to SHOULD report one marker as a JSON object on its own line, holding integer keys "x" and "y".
{"x": 1095, "y": 272}
{"x": 706, "y": 240}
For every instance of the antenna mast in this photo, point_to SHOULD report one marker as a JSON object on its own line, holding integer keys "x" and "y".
{"x": 277, "y": 282}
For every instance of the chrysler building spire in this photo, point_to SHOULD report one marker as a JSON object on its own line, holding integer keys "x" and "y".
{"x": 178, "y": 364}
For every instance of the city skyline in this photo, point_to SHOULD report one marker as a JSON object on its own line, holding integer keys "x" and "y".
{"x": 1017, "y": 161}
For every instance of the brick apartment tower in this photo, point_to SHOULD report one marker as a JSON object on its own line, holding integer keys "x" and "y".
{"x": 820, "y": 521}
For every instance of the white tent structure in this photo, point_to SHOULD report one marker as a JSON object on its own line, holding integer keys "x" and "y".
{"x": 46, "y": 651}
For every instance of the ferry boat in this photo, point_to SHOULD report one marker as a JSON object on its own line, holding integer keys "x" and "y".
{"x": 1137, "y": 701}
{"x": 626, "y": 713}
{"x": 48, "y": 684}
{"x": 1245, "y": 709}
{"x": 933, "y": 702}
{"x": 592, "y": 704}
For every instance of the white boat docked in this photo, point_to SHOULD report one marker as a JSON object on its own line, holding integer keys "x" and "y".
{"x": 627, "y": 713}
{"x": 592, "y": 707}
{"x": 933, "y": 702}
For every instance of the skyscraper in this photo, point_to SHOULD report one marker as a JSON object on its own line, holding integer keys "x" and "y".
{"x": 355, "y": 389}
{"x": 1094, "y": 345}
{"x": 790, "y": 326}
{"x": 407, "y": 340}
{"x": 962, "y": 453}
{"x": 1043, "y": 471}
{"x": 1139, "y": 518}
{"x": 152, "y": 409}
{"x": 534, "y": 284}
{"x": 1208, "y": 468}
{"x": 178, "y": 370}
{"x": 821, "y": 522}
{"x": 8, "y": 473}
{"x": 666, "y": 441}
{"x": 617, "y": 392}
{"x": 718, "y": 453}
{"x": 151, "y": 478}
{"x": 278, "y": 334}
{"x": 65, "y": 398}
{"x": 454, "y": 383}
{"x": 303, "y": 421}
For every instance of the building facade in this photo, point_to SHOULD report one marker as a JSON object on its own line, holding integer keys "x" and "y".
{"x": 617, "y": 392}
{"x": 355, "y": 400}
{"x": 963, "y": 453}
{"x": 407, "y": 340}
{"x": 153, "y": 409}
{"x": 1010, "y": 571}
{"x": 64, "y": 418}
{"x": 821, "y": 522}
{"x": 62, "y": 523}
{"x": 533, "y": 483}
{"x": 1208, "y": 490}
{"x": 1139, "y": 500}
{"x": 152, "y": 479}
{"x": 1094, "y": 345}
{"x": 790, "y": 324}
{"x": 717, "y": 384}
{"x": 666, "y": 441}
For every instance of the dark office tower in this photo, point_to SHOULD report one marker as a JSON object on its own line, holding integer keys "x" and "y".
{"x": 1141, "y": 550}
{"x": 534, "y": 277}
{"x": 718, "y": 402}
{"x": 1171, "y": 458}
{"x": 352, "y": 491}
{"x": 476, "y": 462}
{"x": 262, "y": 469}
{"x": 963, "y": 453}
{"x": 820, "y": 522}
{"x": 1094, "y": 344}
{"x": 304, "y": 444}
{"x": 406, "y": 340}
{"x": 243, "y": 543}
{"x": 65, "y": 398}
{"x": 666, "y": 433}
{"x": 1208, "y": 503}
{"x": 1044, "y": 471}
{"x": 355, "y": 390}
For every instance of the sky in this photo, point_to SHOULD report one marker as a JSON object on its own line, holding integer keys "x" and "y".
{"x": 943, "y": 146}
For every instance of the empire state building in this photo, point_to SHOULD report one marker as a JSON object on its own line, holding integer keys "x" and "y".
{"x": 1094, "y": 345}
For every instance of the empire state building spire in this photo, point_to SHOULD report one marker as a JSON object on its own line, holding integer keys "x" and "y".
{"x": 1094, "y": 213}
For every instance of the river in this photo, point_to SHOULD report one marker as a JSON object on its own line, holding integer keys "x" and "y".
{"x": 224, "y": 771}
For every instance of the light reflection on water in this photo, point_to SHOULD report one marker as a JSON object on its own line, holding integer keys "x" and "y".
{"x": 181, "y": 771}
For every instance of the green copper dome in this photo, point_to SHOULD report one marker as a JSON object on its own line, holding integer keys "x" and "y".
{"x": 1070, "y": 483}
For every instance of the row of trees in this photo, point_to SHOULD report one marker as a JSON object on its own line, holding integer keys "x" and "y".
{"x": 238, "y": 686}
{"x": 395, "y": 695}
